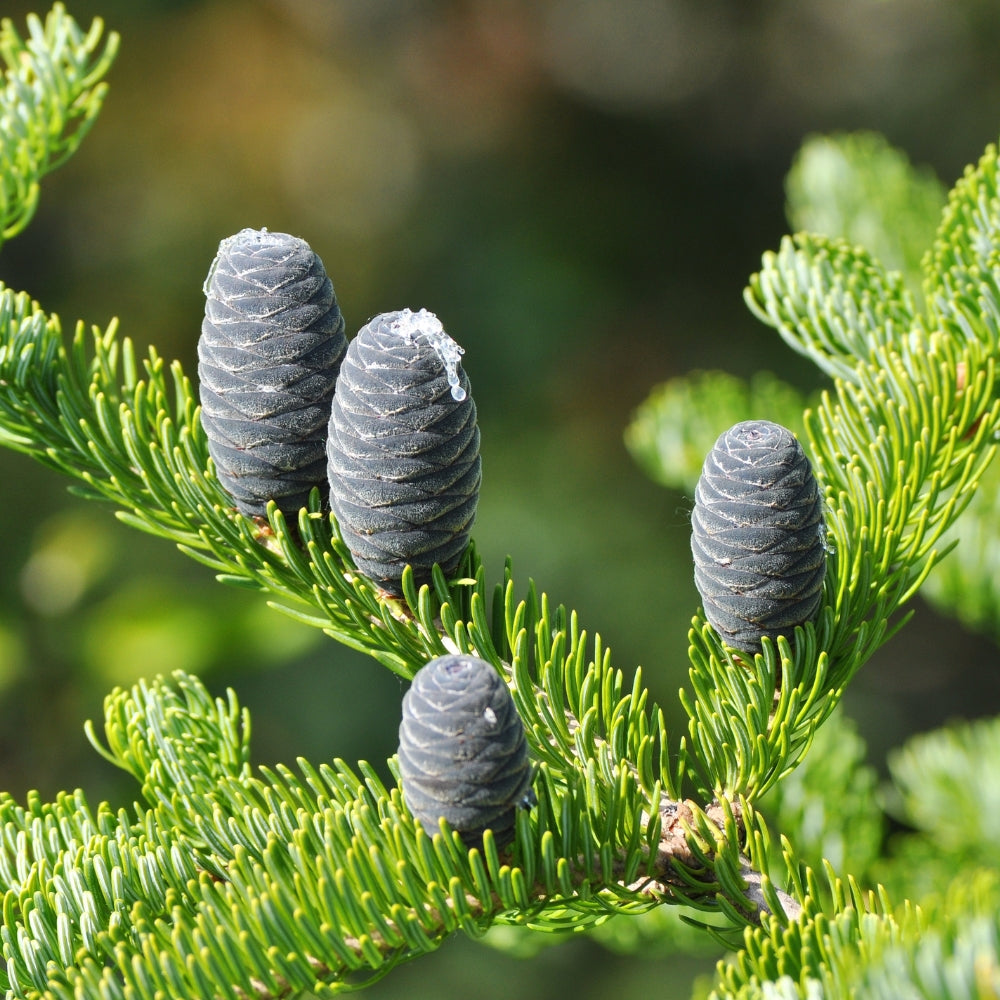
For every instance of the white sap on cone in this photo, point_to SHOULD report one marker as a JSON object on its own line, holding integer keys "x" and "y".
{"x": 413, "y": 326}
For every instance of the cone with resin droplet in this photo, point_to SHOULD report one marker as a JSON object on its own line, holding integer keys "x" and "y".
{"x": 403, "y": 449}
{"x": 271, "y": 346}
{"x": 757, "y": 535}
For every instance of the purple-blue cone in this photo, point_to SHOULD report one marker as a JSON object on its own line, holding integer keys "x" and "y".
{"x": 463, "y": 754}
{"x": 758, "y": 535}
{"x": 271, "y": 346}
{"x": 403, "y": 450}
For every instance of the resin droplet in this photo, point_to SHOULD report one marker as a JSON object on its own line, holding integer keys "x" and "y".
{"x": 413, "y": 326}
{"x": 239, "y": 241}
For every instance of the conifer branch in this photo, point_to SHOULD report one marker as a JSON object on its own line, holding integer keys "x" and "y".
{"x": 603, "y": 755}
{"x": 232, "y": 882}
{"x": 857, "y": 187}
{"x": 222, "y": 864}
{"x": 899, "y": 446}
{"x": 53, "y": 91}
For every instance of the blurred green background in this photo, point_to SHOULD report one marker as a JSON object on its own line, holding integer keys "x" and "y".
{"x": 579, "y": 189}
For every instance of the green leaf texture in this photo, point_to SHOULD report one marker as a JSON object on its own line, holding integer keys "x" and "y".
{"x": 857, "y": 186}
{"x": 52, "y": 92}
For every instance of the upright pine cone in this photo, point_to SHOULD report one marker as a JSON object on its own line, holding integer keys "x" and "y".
{"x": 757, "y": 535}
{"x": 271, "y": 346}
{"x": 403, "y": 449}
{"x": 463, "y": 755}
